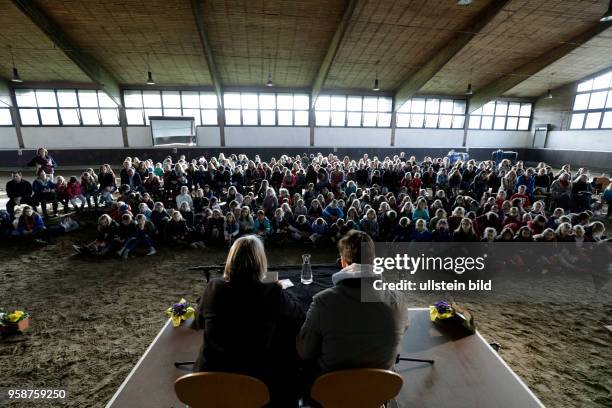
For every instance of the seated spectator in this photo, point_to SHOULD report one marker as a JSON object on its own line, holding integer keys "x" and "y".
{"x": 44, "y": 192}
{"x": 19, "y": 191}
{"x": 231, "y": 229}
{"x": 332, "y": 212}
{"x": 420, "y": 233}
{"x": 465, "y": 232}
{"x": 261, "y": 225}
{"x": 249, "y": 326}
{"x": 144, "y": 235}
{"x": 107, "y": 238}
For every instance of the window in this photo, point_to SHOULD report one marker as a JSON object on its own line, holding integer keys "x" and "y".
{"x": 353, "y": 111}
{"x": 65, "y": 107}
{"x": 5, "y": 117}
{"x": 501, "y": 115}
{"x": 593, "y": 104}
{"x": 431, "y": 113}
{"x": 265, "y": 109}
{"x": 141, "y": 104}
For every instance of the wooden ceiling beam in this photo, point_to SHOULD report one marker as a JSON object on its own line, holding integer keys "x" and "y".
{"x": 332, "y": 50}
{"x": 498, "y": 87}
{"x": 86, "y": 62}
{"x": 416, "y": 81}
{"x": 198, "y": 15}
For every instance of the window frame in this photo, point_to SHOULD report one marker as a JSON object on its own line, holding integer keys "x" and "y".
{"x": 505, "y": 116}
{"x": 259, "y": 109}
{"x": 362, "y": 112}
{"x": 425, "y": 99}
{"x": 144, "y": 108}
{"x": 587, "y": 111}
{"x": 58, "y": 108}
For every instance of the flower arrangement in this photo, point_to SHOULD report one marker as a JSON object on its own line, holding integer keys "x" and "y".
{"x": 441, "y": 310}
{"x": 179, "y": 312}
{"x": 12, "y": 322}
{"x": 452, "y": 315}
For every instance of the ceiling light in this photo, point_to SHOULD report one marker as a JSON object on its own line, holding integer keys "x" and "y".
{"x": 469, "y": 90}
{"x": 608, "y": 15}
{"x": 269, "y": 82}
{"x": 16, "y": 77}
{"x": 150, "y": 80}
{"x": 376, "y": 87}
{"x": 549, "y": 94}
{"x": 464, "y": 2}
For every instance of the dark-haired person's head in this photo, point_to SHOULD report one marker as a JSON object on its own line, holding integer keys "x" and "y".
{"x": 246, "y": 261}
{"x": 16, "y": 175}
{"x": 356, "y": 247}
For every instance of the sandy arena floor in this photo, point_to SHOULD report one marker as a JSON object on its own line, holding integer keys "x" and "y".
{"x": 93, "y": 320}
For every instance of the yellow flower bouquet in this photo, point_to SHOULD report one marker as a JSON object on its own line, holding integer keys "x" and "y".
{"x": 180, "y": 312}
{"x": 13, "y": 322}
{"x": 451, "y": 315}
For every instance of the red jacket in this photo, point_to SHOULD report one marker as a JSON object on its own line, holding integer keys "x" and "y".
{"x": 74, "y": 189}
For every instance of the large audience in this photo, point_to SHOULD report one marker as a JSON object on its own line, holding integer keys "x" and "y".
{"x": 311, "y": 199}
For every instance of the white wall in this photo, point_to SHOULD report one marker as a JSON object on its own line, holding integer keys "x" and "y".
{"x": 8, "y": 138}
{"x": 139, "y": 136}
{"x": 72, "y": 137}
{"x": 498, "y": 138}
{"x": 254, "y": 136}
{"x": 352, "y": 137}
{"x": 595, "y": 140}
{"x": 428, "y": 137}
{"x": 208, "y": 136}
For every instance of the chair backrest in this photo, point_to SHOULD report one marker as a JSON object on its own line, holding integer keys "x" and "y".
{"x": 221, "y": 390}
{"x": 360, "y": 388}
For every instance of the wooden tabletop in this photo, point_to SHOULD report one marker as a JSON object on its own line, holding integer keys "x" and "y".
{"x": 467, "y": 372}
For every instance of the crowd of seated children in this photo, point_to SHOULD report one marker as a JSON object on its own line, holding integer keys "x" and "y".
{"x": 317, "y": 199}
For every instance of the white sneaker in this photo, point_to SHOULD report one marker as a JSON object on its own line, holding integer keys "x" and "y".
{"x": 120, "y": 252}
{"x": 152, "y": 251}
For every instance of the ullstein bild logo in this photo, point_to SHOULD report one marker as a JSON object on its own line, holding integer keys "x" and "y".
{"x": 412, "y": 264}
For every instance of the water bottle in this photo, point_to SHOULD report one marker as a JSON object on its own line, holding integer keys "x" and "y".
{"x": 306, "y": 276}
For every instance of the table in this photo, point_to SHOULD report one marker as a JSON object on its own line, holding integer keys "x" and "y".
{"x": 467, "y": 372}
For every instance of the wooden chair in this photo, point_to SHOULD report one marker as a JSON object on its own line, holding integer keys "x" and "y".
{"x": 221, "y": 390}
{"x": 360, "y": 388}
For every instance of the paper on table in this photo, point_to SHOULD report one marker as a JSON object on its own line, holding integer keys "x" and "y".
{"x": 285, "y": 283}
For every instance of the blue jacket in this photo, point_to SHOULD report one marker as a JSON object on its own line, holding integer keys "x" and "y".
{"x": 332, "y": 212}
{"x": 38, "y": 185}
{"x": 38, "y": 223}
{"x": 417, "y": 236}
{"x": 319, "y": 229}
{"x": 524, "y": 180}
{"x": 420, "y": 214}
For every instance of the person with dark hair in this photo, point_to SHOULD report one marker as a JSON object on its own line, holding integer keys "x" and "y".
{"x": 341, "y": 331}
{"x": 18, "y": 190}
{"x": 249, "y": 325}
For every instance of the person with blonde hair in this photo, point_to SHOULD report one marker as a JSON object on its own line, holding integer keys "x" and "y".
{"x": 249, "y": 325}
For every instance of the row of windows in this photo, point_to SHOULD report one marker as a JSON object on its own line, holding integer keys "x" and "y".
{"x": 266, "y": 109}
{"x": 66, "y": 107}
{"x": 432, "y": 113}
{"x": 501, "y": 115}
{"x": 359, "y": 111}
{"x": 139, "y": 105}
{"x": 92, "y": 107}
{"x": 593, "y": 104}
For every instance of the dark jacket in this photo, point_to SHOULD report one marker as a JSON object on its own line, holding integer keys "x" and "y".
{"x": 22, "y": 189}
{"x": 250, "y": 329}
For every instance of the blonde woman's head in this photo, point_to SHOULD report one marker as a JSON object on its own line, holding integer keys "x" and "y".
{"x": 246, "y": 261}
